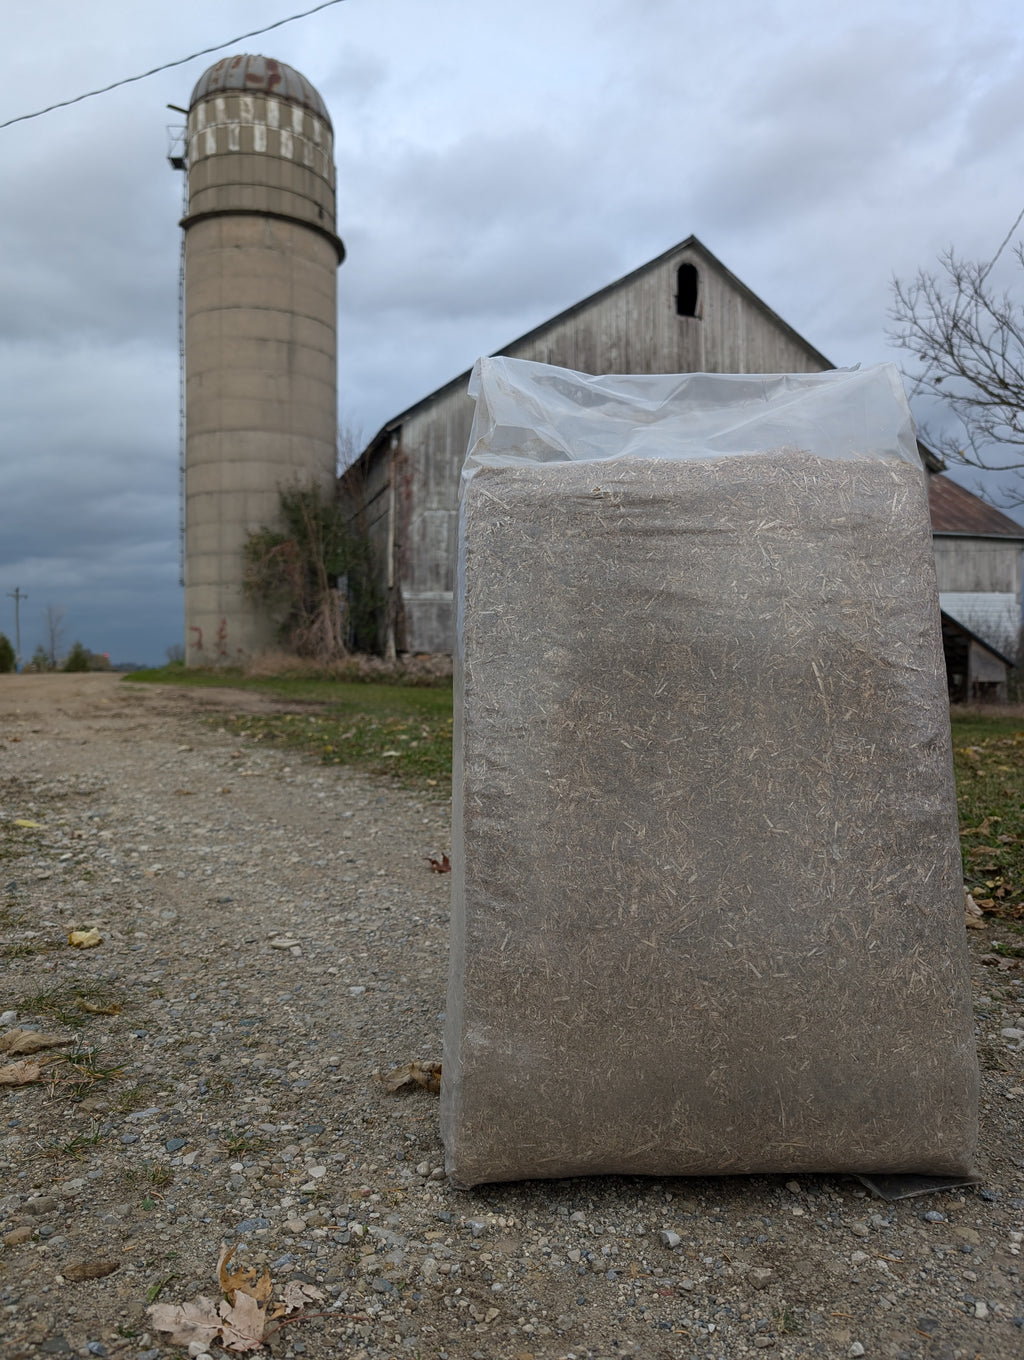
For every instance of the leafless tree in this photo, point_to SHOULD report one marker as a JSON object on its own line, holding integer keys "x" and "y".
{"x": 968, "y": 340}
{"x": 54, "y": 631}
{"x": 350, "y": 444}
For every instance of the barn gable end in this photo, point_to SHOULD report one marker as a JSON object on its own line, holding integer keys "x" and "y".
{"x": 682, "y": 312}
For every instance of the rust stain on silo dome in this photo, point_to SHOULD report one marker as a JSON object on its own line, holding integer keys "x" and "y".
{"x": 260, "y": 75}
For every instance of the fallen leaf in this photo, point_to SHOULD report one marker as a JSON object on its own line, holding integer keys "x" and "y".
{"x": 187, "y": 1322}
{"x": 85, "y": 939}
{"x": 970, "y": 906}
{"x": 91, "y": 1008}
{"x": 185, "y": 793}
{"x": 413, "y": 1074}
{"x": 982, "y": 829}
{"x": 244, "y": 1280}
{"x": 440, "y": 866}
{"x": 89, "y": 1270}
{"x": 20, "y": 1073}
{"x": 243, "y": 1322}
{"x": 23, "y": 821}
{"x": 297, "y": 1295}
{"x": 21, "y": 1041}
{"x": 974, "y": 923}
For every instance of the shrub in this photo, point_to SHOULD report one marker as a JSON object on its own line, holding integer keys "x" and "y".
{"x": 78, "y": 659}
{"x": 302, "y": 572}
{"x": 7, "y": 657}
{"x": 40, "y": 662}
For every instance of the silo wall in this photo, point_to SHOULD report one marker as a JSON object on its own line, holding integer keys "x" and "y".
{"x": 260, "y": 348}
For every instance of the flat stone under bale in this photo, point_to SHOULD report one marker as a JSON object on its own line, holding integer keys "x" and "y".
{"x": 707, "y": 892}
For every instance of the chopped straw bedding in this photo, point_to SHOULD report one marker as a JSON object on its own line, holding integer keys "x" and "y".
{"x": 707, "y": 897}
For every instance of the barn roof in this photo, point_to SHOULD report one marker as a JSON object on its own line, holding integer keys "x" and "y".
{"x": 955, "y": 510}
{"x": 953, "y": 625}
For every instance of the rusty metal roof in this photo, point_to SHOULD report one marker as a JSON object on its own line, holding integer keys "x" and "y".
{"x": 955, "y": 510}
{"x": 260, "y": 75}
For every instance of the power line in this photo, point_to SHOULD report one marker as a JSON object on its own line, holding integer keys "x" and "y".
{"x": 167, "y": 66}
{"x": 1006, "y": 241}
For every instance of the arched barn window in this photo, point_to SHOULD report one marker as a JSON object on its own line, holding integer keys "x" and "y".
{"x": 687, "y": 290}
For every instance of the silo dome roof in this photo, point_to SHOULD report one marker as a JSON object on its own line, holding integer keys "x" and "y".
{"x": 260, "y": 75}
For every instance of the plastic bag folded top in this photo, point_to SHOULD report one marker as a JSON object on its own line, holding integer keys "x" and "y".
{"x": 535, "y": 413}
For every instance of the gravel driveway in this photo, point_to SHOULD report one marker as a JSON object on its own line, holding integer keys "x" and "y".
{"x": 273, "y": 939}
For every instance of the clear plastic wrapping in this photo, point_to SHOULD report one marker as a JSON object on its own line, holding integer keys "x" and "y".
{"x": 707, "y": 907}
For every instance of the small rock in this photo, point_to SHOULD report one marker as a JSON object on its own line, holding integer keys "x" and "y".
{"x": 793, "y": 1187}
{"x": 964, "y": 1234}
{"x": 669, "y": 1239}
{"x": 295, "y": 1226}
{"x": 860, "y": 1230}
{"x": 43, "y": 1204}
{"x": 429, "y": 1270}
{"x": 760, "y": 1277}
{"x": 1011, "y": 1032}
{"x": 8, "y": 1018}
{"x": 477, "y": 1226}
{"x": 423, "y": 1169}
{"x": 933, "y": 1216}
{"x": 856, "y": 1350}
{"x": 763, "y": 1343}
{"x": 17, "y": 1237}
{"x": 174, "y": 1144}
{"x": 981, "y": 1309}
{"x": 356, "y": 991}
{"x": 284, "y": 942}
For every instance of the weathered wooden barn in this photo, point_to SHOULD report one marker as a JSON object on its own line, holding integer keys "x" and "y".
{"x": 682, "y": 312}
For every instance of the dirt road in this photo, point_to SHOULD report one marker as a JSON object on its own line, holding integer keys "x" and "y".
{"x": 272, "y": 938}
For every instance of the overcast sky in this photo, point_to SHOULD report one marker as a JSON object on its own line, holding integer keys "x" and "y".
{"x": 497, "y": 161}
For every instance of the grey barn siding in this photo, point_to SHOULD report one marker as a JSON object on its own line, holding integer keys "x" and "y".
{"x": 409, "y": 474}
{"x": 978, "y": 564}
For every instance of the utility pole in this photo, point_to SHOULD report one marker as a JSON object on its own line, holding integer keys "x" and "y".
{"x": 17, "y": 595}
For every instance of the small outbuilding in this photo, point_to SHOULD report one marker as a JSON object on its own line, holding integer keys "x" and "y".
{"x": 978, "y": 563}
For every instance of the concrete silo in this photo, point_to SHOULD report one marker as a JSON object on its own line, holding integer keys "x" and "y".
{"x": 261, "y": 256}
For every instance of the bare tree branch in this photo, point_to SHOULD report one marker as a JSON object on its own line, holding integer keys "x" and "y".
{"x": 968, "y": 341}
{"x": 54, "y": 631}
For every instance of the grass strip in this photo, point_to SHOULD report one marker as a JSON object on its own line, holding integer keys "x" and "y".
{"x": 404, "y": 732}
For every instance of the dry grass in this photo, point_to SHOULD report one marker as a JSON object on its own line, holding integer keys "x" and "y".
{"x": 710, "y": 913}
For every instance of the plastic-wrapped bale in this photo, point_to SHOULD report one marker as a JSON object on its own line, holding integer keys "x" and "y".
{"x": 707, "y": 904}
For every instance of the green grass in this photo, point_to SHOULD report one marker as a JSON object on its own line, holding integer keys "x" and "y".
{"x": 73, "y": 1004}
{"x": 401, "y": 731}
{"x": 988, "y": 754}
